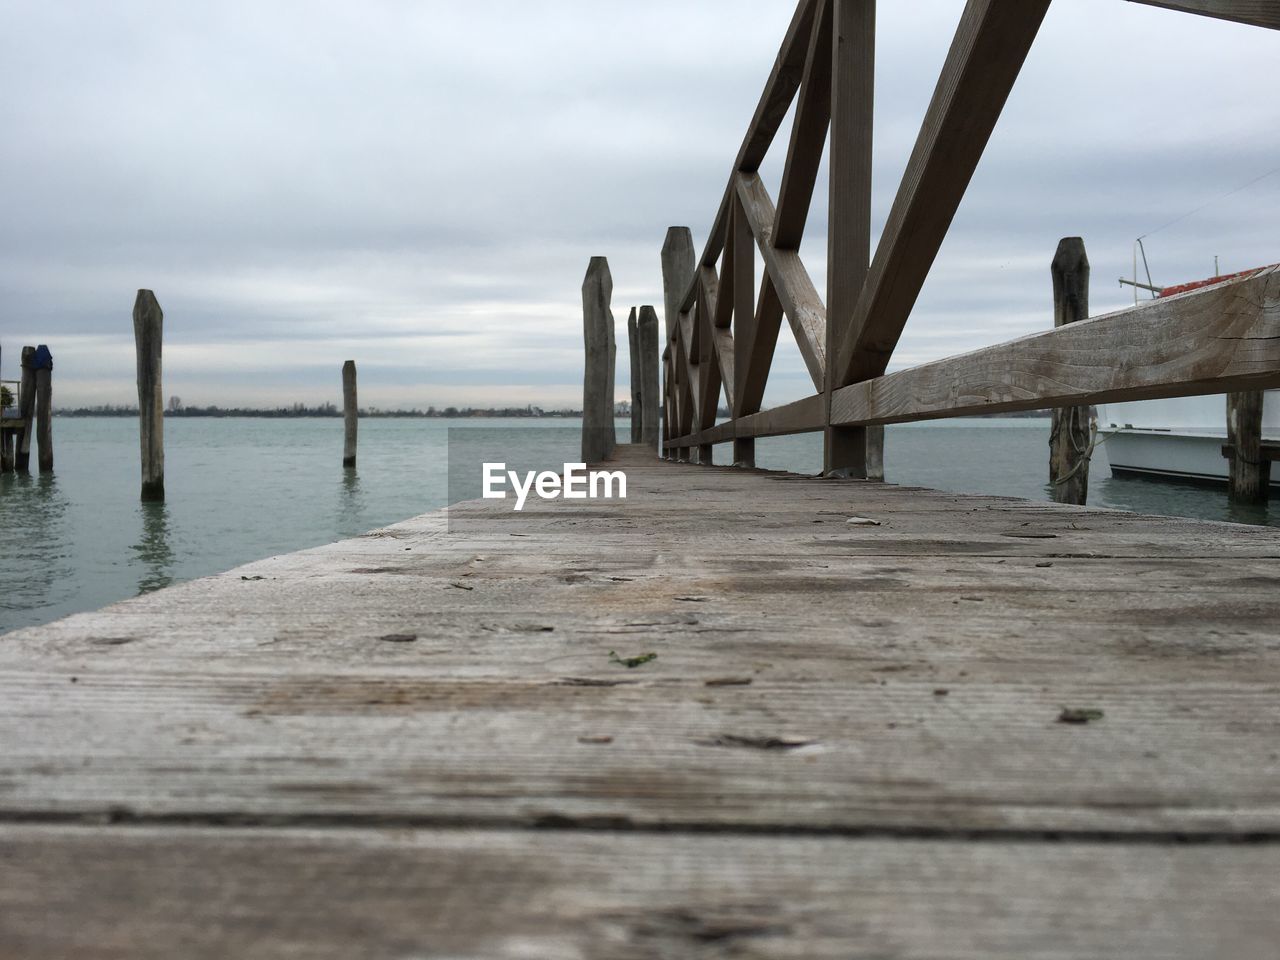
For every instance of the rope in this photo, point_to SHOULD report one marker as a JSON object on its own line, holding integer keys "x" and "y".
{"x": 1086, "y": 452}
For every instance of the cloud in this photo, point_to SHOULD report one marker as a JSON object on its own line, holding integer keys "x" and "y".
{"x": 419, "y": 185}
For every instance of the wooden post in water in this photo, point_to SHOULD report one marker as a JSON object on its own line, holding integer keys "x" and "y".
{"x": 1070, "y": 437}
{"x": 598, "y": 435}
{"x": 42, "y": 360}
{"x": 350, "y": 414}
{"x": 649, "y": 390}
{"x": 1249, "y": 472}
{"x": 678, "y": 264}
{"x": 7, "y": 437}
{"x": 26, "y": 409}
{"x": 148, "y": 338}
{"x": 633, "y": 338}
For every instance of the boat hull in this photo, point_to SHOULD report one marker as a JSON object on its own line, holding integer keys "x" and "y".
{"x": 1178, "y": 439}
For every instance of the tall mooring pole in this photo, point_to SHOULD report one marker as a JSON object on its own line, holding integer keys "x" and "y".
{"x": 148, "y": 337}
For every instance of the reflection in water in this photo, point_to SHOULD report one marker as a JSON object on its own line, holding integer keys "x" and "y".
{"x": 153, "y": 549}
{"x": 34, "y": 548}
{"x": 351, "y": 504}
{"x": 1203, "y": 501}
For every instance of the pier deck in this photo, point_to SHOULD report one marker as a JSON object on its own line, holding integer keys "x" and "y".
{"x": 851, "y": 743}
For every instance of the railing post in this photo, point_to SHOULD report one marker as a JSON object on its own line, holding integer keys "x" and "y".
{"x": 350, "y": 414}
{"x": 1249, "y": 472}
{"x": 678, "y": 264}
{"x": 1071, "y": 437}
{"x": 633, "y": 340}
{"x": 26, "y": 409}
{"x": 647, "y": 375}
{"x": 148, "y": 341}
{"x": 845, "y": 449}
{"x": 598, "y": 434}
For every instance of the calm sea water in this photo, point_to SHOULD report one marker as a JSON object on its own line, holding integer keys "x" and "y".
{"x": 243, "y": 489}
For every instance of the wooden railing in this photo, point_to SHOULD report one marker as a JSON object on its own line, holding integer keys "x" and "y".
{"x": 722, "y": 331}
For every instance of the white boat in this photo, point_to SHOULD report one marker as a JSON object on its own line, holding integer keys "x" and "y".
{"x": 1180, "y": 439}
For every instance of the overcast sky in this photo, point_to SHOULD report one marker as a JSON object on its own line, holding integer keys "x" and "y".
{"x": 419, "y": 185}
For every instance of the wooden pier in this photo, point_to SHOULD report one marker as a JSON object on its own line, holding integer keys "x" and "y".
{"x": 738, "y": 714}
{"x": 961, "y": 726}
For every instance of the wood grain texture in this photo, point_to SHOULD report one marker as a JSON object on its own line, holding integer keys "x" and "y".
{"x": 1213, "y": 340}
{"x": 1258, "y": 13}
{"x": 849, "y": 743}
{"x": 990, "y": 45}
{"x": 791, "y": 282}
{"x": 137, "y": 894}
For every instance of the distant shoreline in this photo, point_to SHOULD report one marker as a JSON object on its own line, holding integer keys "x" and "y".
{"x": 448, "y": 413}
{"x": 298, "y": 411}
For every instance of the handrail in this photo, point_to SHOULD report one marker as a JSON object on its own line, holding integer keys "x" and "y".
{"x": 1217, "y": 339}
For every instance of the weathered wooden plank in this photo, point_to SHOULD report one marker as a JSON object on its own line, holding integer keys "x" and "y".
{"x": 990, "y": 45}
{"x": 431, "y": 676}
{"x": 1212, "y": 340}
{"x": 779, "y": 91}
{"x": 112, "y": 893}
{"x": 791, "y": 282}
{"x": 1257, "y": 13}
